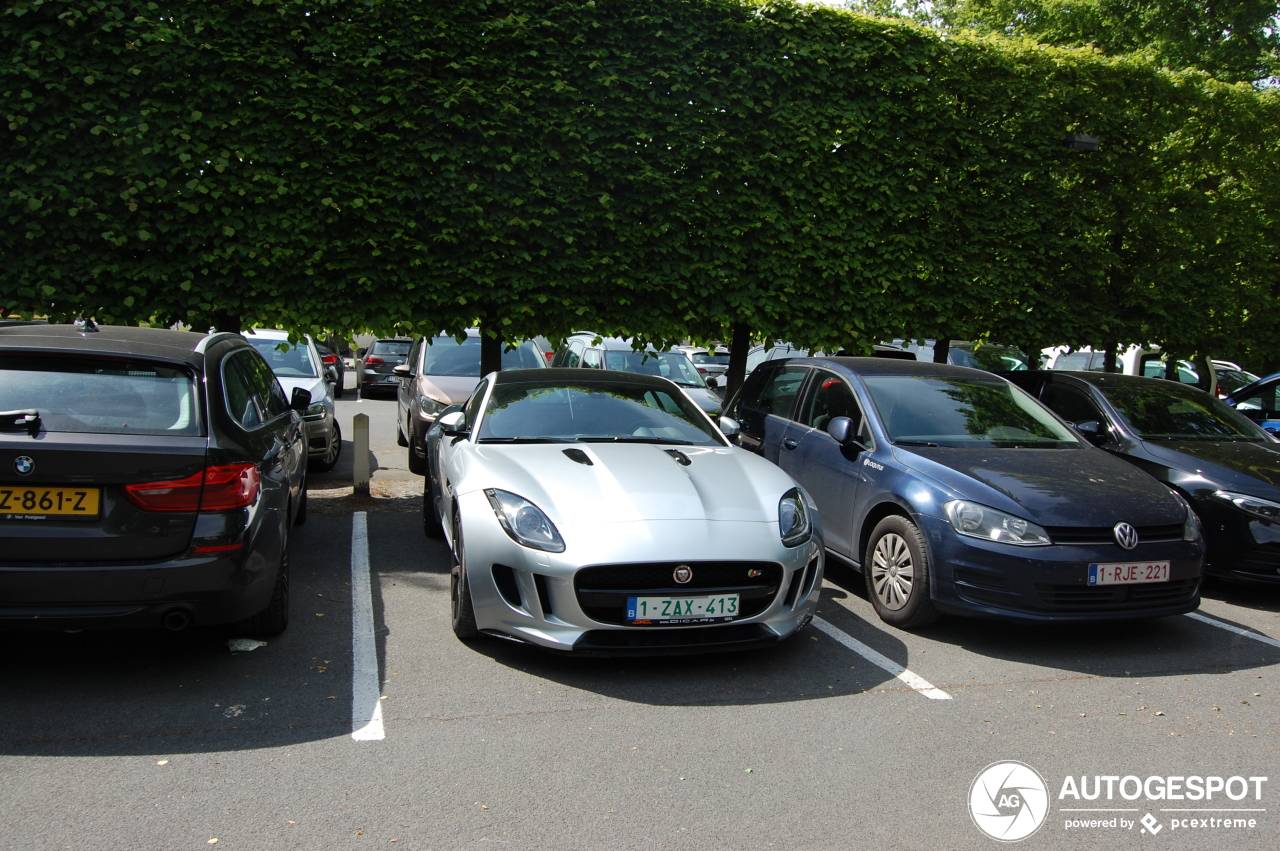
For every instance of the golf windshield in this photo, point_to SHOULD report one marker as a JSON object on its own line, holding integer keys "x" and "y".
{"x": 594, "y": 413}
{"x": 1165, "y": 410}
{"x": 932, "y": 410}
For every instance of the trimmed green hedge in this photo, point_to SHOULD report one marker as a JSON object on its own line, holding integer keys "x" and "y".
{"x": 661, "y": 167}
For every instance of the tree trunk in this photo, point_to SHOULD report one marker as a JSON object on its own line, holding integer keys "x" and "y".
{"x": 942, "y": 350}
{"x": 1109, "y": 358}
{"x": 224, "y": 320}
{"x": 739, "y": 345}
{"x": 490, "y": 352}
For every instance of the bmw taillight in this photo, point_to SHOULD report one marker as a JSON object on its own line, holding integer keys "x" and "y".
{"x": 213, "y": 489}
{"x": 172, "y": 495}
{"x": 231, "y": 486}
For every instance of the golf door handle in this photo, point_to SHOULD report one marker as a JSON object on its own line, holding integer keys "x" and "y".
{"x": 790, "y": 444}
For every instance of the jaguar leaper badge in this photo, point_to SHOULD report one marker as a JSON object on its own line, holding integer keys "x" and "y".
{"x": 682, "y": 574}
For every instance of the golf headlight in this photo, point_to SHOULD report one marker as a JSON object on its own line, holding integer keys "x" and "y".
{"x": 315, "y": 410}
{"x": 1191, "y": 525}
{"x": 793, "y": 519}
{"x": 1264, "y": 509}
{"x": 979, "y": 521}
{"x": 525, "y": 522}
{"x": 430, "y": 407}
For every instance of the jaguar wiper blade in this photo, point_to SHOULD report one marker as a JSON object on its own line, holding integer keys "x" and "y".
{"x": 636, "y": 438}
{"x": 539, "y": 439}
{"x": 27, "y": 419}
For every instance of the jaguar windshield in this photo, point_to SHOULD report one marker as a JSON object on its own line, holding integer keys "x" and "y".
{"x": 931, "y": 410}
{"x": 587, "y": 413}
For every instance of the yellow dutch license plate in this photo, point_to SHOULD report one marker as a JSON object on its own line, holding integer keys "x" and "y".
{"x": 19, "y": 503}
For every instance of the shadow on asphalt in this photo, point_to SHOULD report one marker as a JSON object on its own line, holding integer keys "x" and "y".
{"x": 132, "y": 692}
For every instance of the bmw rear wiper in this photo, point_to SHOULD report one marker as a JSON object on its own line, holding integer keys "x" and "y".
{"x": 27, "y": 419}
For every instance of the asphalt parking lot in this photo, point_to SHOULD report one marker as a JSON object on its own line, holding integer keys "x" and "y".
{"x": 388, "y": 732}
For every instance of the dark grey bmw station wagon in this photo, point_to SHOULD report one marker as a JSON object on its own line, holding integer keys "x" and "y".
{"x": 147, "y": 478}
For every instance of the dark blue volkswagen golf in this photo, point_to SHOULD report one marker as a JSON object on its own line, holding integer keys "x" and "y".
{"x": 954, "y": 491}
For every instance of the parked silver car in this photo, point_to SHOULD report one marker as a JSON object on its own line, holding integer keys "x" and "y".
{"x": 299, "y": 366}
{"x": 615, "y": 353}
{"x": 603, "y": 512}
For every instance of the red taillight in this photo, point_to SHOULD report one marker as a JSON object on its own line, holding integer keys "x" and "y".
{"x": 549, "y": 355}
{"x": 232, "y": 486}
{"x": 329, "y": 360}
{"x": 173, "y": 495}
{"x": 372, "y": 360}
{"x": 701, "y": 371}
{"x": 213, "y": 489}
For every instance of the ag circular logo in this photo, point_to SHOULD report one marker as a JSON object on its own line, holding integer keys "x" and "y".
{"x": 1008, "y": 801}
{"x": 23, "y": 465}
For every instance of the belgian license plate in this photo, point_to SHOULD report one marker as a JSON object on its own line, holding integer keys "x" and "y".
{"x": 711, "y": 609}
{"x": 1128, "y": 572}
{"x": 17, "y": 503}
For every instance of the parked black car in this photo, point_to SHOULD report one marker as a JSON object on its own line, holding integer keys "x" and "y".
{"x": 1224, "y": 464}
{"x": 147, "y": 478}
{"x": 952, "y": 490}
{"x": 375, "y": 366}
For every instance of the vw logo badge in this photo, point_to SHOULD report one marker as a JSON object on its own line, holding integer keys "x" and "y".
{"x": 1126, "y": 535}
{"x": 23, "y": 465}
{"x": 683, "y": 574}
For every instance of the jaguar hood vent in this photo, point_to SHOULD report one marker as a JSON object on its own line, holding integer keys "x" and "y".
{"x": 679, "y": 456}
{"x": 579, "y": 456}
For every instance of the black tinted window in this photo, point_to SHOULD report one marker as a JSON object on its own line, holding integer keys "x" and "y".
{"x": 1071, "y": 404}
{"x": 240, "y": 389}
{"x": 98, "y": 395}
{"x": 830, "y": 397}
{"x": 777, "y": 393}
{"x": 1158, "y": 410}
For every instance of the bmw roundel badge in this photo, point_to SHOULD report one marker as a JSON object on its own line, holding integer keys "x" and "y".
{"x": 23, "y": 465}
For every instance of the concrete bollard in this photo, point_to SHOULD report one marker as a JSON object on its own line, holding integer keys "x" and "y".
{"x": 360, "y": 454}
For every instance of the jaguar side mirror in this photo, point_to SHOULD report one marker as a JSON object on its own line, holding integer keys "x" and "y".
{"x": 730, "y": 427}
{"x": 453, "y": 422}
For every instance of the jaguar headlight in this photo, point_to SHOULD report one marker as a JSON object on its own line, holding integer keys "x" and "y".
{"x": 793, "y": 519}
{"x": 524, "y": 522}
{"x": 430, "y": 407}
{"x": 1263, "y": 509}
{"x": 978, "y": 521}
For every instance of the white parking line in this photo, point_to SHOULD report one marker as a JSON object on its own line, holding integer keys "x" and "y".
{"x": 1233, "y": 628}
{"x": 366, "y": 688}
{"x": 913, "y": 681}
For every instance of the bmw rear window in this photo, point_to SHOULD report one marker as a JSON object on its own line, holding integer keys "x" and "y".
{"x": 102, "y": 395}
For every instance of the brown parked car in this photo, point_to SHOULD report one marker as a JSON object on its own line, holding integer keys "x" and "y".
{"x": 440, "y": 372}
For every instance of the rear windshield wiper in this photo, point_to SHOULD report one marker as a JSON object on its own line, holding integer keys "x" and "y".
{"x": 27, "y": 419}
